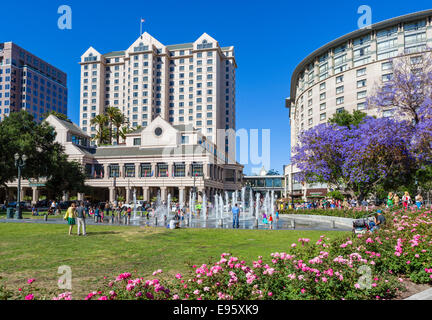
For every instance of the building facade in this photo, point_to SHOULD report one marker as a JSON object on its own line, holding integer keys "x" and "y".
{"x": 184, "y": 84}
{"x": 159, "y": 159}
{"x": 29, "y": 83}
{"x": 341, "y": 74}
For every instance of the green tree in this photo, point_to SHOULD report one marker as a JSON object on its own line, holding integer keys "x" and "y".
{"x": 273, "y": 172}
{"x": 112, "y": 113}
{"x": 45, "y": 157}
{"x": 102, "y": 134}
{"x": 118, "y": 120}
{"x": 59, "y": 115}
{"x": 65, "y": 176}
{"x": 346, "y": 119}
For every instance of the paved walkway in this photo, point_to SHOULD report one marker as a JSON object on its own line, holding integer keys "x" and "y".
{"x": 424, "y": 295}
{"x": 284, "y": 223}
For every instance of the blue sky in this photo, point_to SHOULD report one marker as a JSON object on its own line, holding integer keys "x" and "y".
{"x": 270, "y": 38}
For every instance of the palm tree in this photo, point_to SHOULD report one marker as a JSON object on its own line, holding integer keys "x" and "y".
{"x": 118, "y": 120}
{"x": 124, "y": 131}
{"x": 100, "y": 120}
{"x": 111, "y": 113}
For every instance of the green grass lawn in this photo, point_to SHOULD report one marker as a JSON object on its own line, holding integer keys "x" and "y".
{"x": 28, "y": 215}
{"x": 37, "y": 250}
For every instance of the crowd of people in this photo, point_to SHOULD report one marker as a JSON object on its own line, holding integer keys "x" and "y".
{"x": 393, "y": 200}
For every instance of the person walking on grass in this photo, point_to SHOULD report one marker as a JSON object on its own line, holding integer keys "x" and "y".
{"x": 81, "y": 214}
{"x": 70, "y": 217}
{"x": 236, "y": 215}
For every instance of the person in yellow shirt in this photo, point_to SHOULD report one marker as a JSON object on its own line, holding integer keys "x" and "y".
{"x": 70, "y": 216}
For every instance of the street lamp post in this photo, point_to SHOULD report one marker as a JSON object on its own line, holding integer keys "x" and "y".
{"x": 19, "y": 163}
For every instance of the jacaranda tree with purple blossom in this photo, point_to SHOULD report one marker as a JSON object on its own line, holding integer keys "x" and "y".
{"x": 358, "y": 159}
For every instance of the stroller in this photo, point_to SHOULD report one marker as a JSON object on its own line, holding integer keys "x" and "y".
{"x": 361, "y": 226}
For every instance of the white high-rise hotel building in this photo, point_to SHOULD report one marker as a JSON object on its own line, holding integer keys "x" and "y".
{"x": 342, "y": 73}
{"x": 190, "y": 83}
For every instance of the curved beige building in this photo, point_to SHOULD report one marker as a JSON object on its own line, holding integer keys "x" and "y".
{"x": 341, "y": 74}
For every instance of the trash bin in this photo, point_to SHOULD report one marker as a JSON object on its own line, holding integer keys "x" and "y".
{"x": 10, "y": 213}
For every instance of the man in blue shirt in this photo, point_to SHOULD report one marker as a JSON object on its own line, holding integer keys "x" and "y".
{"x": 236, "y": 214}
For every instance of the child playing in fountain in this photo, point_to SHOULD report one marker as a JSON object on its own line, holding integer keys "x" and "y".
{"x": 271, "y": 221}
{"x": 264, "y": 218}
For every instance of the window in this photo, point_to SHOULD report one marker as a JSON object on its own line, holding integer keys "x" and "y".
{"x": 388, "y": 113}
{"x": 323, "y": 116}
{"x": 339, "y": 100}
{"x": 361, "y": 94}
{"x": 339, "y": 89}
{"x": 387, "y": 77}
{"x": 361, "y": 83}
{"x": 322, "y": 96}
{"x": 339, "y": 79}
{"x": 340, "y": 110}
{"x": 129, "y": 170}
{"x": 137, "y": 141}
{"x": 184, "y": 139}
{"x": 386, "y": 66}
{"x": 322, "y": 106}
{"x": 179, "y": 170}
{"x": 322, "y": 86}
{"x": 146, "y": 170}
{"x": 114, "y": 170}
{"x": 361, "y": 106}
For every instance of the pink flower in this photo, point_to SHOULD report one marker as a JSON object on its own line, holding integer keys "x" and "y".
{"x": 103, "y": 298}
{"x": 293, "y": 245}
{"x": 30, "y": 281}
{"x": 357, "y": 286}
{"x": 303, "y": 290}
{"x": 408, "y": 262}
{"x": 29, "y": 297}
{"x": 176, "y": 297}
{"x": 149, "y": 295}
{"x": 196, "y": 292}
{"x": 178, "y": 276}
{"x": 270, "y": 294}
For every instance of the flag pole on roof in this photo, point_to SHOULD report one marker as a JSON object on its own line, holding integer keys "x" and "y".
{"x": 141, "y": 23}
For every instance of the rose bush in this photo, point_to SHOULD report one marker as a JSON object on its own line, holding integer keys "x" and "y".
{"x": 366, "y": 266}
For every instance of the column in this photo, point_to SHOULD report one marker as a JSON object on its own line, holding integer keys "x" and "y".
{"x": 106, "y": 172}
{"x": 92, "y": 170}
{"x": 206, "y": 170}
{"x": 201, "y": 191}
{"x": 128, "y": 194}
{"x": 137, "y": 169}
{"x": 35, "y": 195}
{"x": 163, "y": 193}
{"x": 65, "y": 196}
{"x": 153, "y": 168}
{"x": 111, "y": 194}
{"x": 170, "y": 170}
{"x": 181, "y": 195}
{"x": 22, "y": 192}
{"x": 188, "y": 167}
{"x": 146, "y": 195}
{"x": 80, "y": 196}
